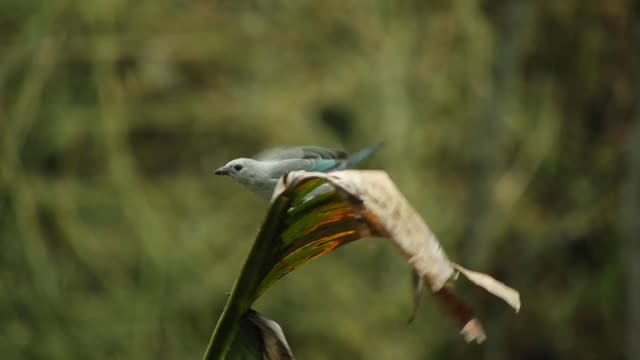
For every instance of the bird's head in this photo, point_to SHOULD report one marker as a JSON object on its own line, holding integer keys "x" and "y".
{"x": 241, "y": 169}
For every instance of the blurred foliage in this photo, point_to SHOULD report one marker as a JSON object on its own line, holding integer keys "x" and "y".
{"x": 505, "y": 124}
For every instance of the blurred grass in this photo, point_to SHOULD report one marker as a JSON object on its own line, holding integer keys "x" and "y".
{"x": 504, "y": 122}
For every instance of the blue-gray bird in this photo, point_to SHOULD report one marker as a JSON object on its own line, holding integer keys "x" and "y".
{"x": 262, "y": 173}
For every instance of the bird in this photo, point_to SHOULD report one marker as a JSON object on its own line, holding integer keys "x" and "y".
{"x": 261, "y": 173}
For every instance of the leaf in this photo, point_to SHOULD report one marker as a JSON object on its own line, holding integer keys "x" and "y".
{"x": 275, "y": 343}
{"x": 390, "y": 214}
{"x": 259, "y": 337}
{"x": 493, "y": 286}
{"x": 314, "y": 213}
{"x": 418, "y": 293}
{"x": 247, "y": 343}
{"x": 305, "y": 222}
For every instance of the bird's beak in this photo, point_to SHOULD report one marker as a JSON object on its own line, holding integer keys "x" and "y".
{"x": 221, "y": 171}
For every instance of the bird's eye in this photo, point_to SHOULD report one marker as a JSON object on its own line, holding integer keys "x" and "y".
{"x": 237, "y": 167}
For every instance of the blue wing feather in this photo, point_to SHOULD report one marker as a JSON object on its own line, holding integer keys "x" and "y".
{"x": 324, "y": 165}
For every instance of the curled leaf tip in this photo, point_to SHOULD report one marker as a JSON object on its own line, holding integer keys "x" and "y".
{"x": 473, "y": 331}
{"x": 493, "y": 286}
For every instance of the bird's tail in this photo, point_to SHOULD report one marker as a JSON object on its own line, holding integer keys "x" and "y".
{"x": 361, "y": 155}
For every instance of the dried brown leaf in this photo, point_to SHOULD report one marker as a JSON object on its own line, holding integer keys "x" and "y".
{"x": 388, "y": 213}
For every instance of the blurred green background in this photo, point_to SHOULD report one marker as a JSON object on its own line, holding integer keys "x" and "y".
{"x": 512, "y": 126}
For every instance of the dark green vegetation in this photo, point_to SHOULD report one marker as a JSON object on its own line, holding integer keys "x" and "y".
{"x": 508, "y": 124}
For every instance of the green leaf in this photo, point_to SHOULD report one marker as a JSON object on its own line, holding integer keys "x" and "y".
{"x": 298, "y": 229}
{"x": 259, "y": 336}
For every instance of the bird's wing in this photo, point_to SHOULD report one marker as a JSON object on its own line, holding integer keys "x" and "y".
{"x": 280, "y": 167}
{"x": 358, "y": 157}
{"x": 277, "y": 168}
{"x": 301, "y": 152}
